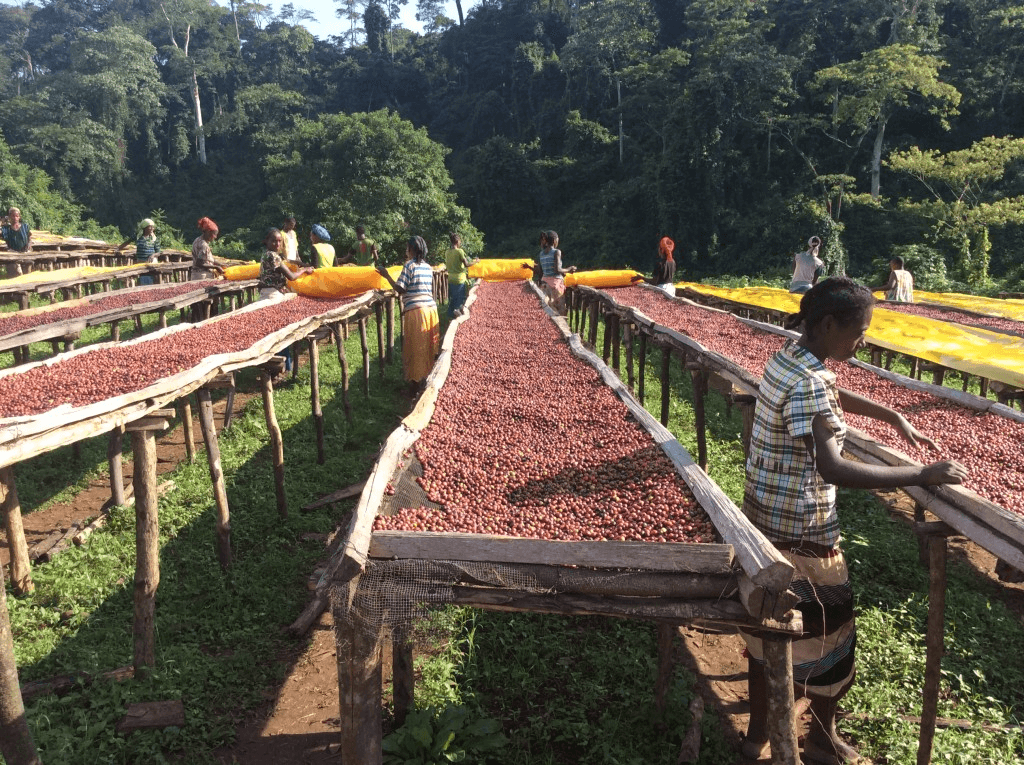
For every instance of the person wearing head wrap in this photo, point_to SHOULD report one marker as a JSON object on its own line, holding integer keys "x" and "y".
{"x": 203, "y": 265}
{"x": 665, "y": 268}
{"x": 291, "y": 239}
{"x": 147, "y": 247}
{"x": 807, "y": 267}
{"x": 16, "y": 233}
{"x": 421, "y": 336}
{"x": 323, "y": 251}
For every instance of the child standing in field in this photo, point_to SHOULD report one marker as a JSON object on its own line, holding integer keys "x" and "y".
{"x": 457, "y": 263}
{"x": 794, "y": 467}
{"x": 421, "y": 336}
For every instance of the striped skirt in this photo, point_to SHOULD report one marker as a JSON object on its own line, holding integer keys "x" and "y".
{"x": 421, "y": 342}
{"x": 823, "y": 654}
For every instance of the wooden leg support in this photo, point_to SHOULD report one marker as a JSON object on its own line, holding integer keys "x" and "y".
{"x": 403, "y": 679}
{"x": 343, "y": 363}
{"x": 314, "y": 399}
{"x": 359, "y": 690}
{"x": 700, "y": 389}
{"x": 276, "y": 442}
{"x": 666, "y": 664}
{"x": 147, "y": 547}
{"x": 16, "y": 743}
{"x": 21, "y": 566}
{"x": 366, "y": 356}
{"x": 378, "y": 311}
{"x": 934, "y": 645}
{"x": 391, "y": 328}
{"x": 642, "y": 368}
{"x": 778, "y": 657}
{"x": 666, "y": 387}
{"x": 185, "y": 415}
{"x": 114, "y": 445}
{"x": 220, "y": 494}
{"x": 229, "y": 403}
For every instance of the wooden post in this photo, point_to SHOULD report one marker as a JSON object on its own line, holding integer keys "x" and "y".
{"x": 391, "y": 328}
{"x": 359, "y": 690}
{"x": 366, "y": 355}
{"x": 616, "y": 341}
{"x": 606, "y": 344}
{"x": 778, "y": 658}
{"x": 746, "y": 404}
{"x": 343, "y": 363}
{"x": 666, "y": 664}
{"x": 581, "y": 321}
{"x": 666, "y": 387}
{"x": 115, "y": 331}
{"x": 147, "y": 547}
{"x": 185, "y": 415}
{"x": 627, "y": 339}
{"x": 294, "y": 352}
{"x": 402, "y": 677}
{"x": 700, "y": 388}
{"x": 939, "y": 375}
{"x": 16, "y": 743}
{"x": 276, "y": 442}
{"x": 114, "y": 445}
{"x": 593, "y": 323}
{"x": 220, "y": 494}
{"x": 314, "y": 399}
{"x": 378, "y": 311}
{"x": 934, "y": 645}
{"x": 21, "y": 566}
{"x": 642, "y": 368}
{"x": 229, "y": 403}
{"x": 138, "y": 322}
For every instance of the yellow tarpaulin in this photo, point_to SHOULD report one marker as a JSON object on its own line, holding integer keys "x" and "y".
{"x": 342, "y": 281}
{"x": 600, "y": 279}
{"x": 969, "y": 349}
{"x": 1007, "y": 309}
{"x": 502, "y": 269}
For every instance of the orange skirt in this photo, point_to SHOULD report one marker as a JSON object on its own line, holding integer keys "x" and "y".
{"x": 421, "y": 342}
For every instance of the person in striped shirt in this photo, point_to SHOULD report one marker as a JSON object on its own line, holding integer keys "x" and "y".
{"x": 551, "y": 270}
{"x": 793, "y": 468}
{"x": 421, "y": 335}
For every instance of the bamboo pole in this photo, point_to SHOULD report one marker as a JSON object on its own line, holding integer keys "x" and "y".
{"x": 934, "y": 645}
{"x": 276, "y": 442}
{"x": 16, "y": 743}
{"x": 220, "y": 494}
{"x": 366, "y": 355}
{"x": 114, "y": 445}
{"x": 21, "y": 566}
{"x": 147, "y": 547}
{"x": 378, "y": 311}
{"x": 185, "y": 415}
{"x": 314, "y": 399}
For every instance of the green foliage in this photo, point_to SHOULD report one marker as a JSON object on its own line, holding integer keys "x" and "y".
{"x": 438, "y": 736}
{"x": 398, "y": 187}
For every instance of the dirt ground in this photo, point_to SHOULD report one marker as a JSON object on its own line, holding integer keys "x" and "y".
{"x": 298, "y": 723}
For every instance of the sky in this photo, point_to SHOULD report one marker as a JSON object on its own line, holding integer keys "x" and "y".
{"x": 327, "y": 23}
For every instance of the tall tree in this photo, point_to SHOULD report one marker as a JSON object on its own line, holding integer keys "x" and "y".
{"x": 865, "y": 94}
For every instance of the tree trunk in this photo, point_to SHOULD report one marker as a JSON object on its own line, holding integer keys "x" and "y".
{"x": 16, "y": 743}
{"x": 876, "y": 159}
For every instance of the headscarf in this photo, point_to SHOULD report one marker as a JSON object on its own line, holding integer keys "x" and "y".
{"x": 666, "y": 246}
{"x": 320, "y": 232}
{"x": 205, "y": 224}
{"x": 146, "y": 223}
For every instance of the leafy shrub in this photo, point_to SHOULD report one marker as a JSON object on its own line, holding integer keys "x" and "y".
{"x": 434, "y": 736}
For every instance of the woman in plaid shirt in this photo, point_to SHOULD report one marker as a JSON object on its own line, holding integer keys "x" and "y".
{"x": 794, "y": 467}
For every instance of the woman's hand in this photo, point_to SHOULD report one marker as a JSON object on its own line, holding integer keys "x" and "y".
{"x": 912, "y": 435}
{"x": 949, "y": 471}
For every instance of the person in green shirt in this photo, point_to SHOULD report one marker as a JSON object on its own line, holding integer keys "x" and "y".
{"x": 364, "y": 251}
{"x": 457, "y": 263}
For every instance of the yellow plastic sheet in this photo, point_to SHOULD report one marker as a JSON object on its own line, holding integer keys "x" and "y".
{"x": 342, "y": 281}
{"x": 243, "y": 272}
{"x": 600, "y": 279}
{"x": 972, "y": 350}
{"x": 502, "y": 269}
{"x": 1007, "y": 309}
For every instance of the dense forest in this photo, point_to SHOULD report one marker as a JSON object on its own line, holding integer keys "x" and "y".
{"x": 737, "y": 127}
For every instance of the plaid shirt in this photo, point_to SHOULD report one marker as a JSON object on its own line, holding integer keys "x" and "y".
{"x": 785, "y": 496}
